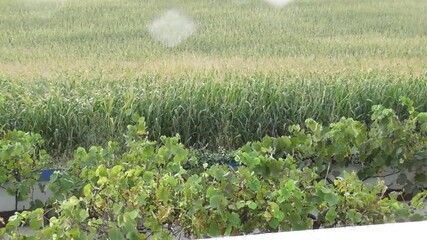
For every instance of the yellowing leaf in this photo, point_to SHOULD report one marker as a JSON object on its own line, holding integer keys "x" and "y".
{"x": 87, "y": 190}
{"x": 74, "y": 201}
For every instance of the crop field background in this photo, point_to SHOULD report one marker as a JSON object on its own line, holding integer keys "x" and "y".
{"x": 44, "y": 37}
{"x": 233, "y": 70}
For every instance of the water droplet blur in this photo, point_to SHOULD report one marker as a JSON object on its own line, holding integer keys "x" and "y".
{"x": 278, "y": 3}
{"x": 172, "y": 28}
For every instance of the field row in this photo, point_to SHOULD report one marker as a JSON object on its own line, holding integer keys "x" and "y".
{"x": 208, "y": 110}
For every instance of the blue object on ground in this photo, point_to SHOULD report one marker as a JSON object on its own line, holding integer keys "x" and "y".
{"x": 45, "y": 174}
{"x": 233, "y": 164}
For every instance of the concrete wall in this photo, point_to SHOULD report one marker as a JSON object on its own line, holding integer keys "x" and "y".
{"x": 7, "y": 202}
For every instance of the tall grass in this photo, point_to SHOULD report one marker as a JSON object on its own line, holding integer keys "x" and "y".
{"x": 207, "y": 110}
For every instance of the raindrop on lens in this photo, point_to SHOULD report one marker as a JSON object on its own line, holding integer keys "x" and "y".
{"x": 278, "y": 3}
{"x": 172, "y": 28}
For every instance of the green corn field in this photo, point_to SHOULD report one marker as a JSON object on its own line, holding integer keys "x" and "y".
{"x": 77, "y": 71}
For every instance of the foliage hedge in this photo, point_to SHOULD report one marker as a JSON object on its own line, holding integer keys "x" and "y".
{"x": 158, "y": 190}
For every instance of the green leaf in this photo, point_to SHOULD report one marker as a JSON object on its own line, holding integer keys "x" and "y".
{"x": 353, "y": 216}
{"x": 148, "y": 176}
{"x": 283, "y": 142}
{"x": 290, "y": 185}
{"x": 366, "y": 173}
{"x": 217, "y": 201}
{"x": 331, "y": 215}
{"x": 240, "y": 204}
{"x": 102, "y": 180}
{"x": 313, "y": 126}
{"x": 117, "y": 207}
{"x": 74, "y": 201}
{"x": 114, "y": 233}
{"x": 279, "y": 215}
{"x": 252, "y": 205}
{"x": 287, "y": 190}
{"x": 3, "y": 177}
{"x": 128, "y": 226}
{"x": 81, "y": 215}
{"x": 254, "y": 184}
{"x": 214, "y": 229}
{"x": 163, "y": 194}
{"x": 36, "y": 223}
{"x": 133, "y": 214}
{"x": 211, "y": 191}
{"x": 422, "y": 117}
{"x": 101, "y": 171}
{"x": 228, "y": 230}
{"x": 87, "y": 190}
{"x": 273, "y": 223}
{"x": 251, "y": 161}
{"x": 132, "y": 235}
{"x": 116, "y": 170}
{"x": 171, "y": 181}
{"x": 36, "y": 204}
{"x": 141, "y": 199}
{"x": 331, "y": 199}
{"x": 418, "y": 200}
{"x": 294, "y": 218}
{"x": 174, "y": 167}
{"x": 234, "y": 219}
{"x": 75, "y": 232}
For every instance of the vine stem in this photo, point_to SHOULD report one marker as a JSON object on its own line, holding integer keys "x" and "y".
{"x": 16, "y": 200}
{"x": 327, "y": 171}
{"x": 381, "y": 176}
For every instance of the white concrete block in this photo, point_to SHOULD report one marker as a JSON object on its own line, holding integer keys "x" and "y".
{"x": 392, "y": 231}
